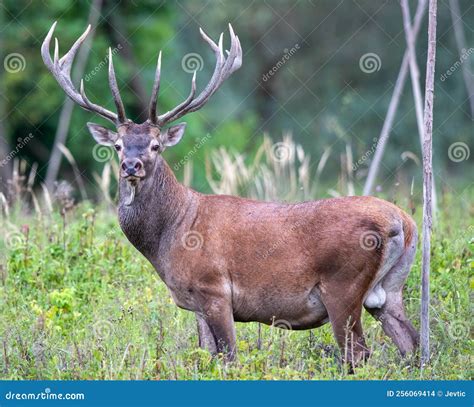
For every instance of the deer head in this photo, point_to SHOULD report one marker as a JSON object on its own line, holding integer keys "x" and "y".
{"x": 139, "y": 146}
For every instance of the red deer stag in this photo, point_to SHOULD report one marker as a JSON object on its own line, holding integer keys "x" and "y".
{"x": 334, "y": 255}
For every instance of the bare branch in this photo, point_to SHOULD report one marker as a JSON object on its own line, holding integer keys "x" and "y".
{"x": 393, "y": 106}
{"x": 415, "y": 79}
{"x": 427, "y": 184}
{"x": 461, "y": 44}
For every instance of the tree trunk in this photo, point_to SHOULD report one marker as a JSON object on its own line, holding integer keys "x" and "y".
{"x": 68, "y": 106}
{"x": 415, "y": 78}
{"x": 414, "y": 71}
{"x": 392, "y": 108}
{"x": 461, "y": 44}
{"x": 427, "y": 184}
{"x": 5, "y": 167}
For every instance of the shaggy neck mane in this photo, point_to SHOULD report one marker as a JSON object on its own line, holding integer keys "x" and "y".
{"x": 160, "y": 203}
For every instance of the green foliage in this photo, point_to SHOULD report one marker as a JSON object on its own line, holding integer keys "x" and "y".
{"x": 78, "y": 302}
{"x": 321, "y": 81}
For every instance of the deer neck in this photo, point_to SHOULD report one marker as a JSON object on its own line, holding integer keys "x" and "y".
{"x": 159, "y": 204}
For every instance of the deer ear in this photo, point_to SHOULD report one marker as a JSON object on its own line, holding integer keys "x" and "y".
{"x": 102, "y": 135}
{"x": 172, "y": 135}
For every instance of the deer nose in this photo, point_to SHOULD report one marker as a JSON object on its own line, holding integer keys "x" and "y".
{"x": 131, "y": 166}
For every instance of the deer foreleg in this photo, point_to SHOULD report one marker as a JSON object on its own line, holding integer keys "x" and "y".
{"x": 220, "y": 320}
{"x": 206, "y": 338}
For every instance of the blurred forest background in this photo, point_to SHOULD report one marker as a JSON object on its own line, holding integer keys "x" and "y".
{"x": 319, "y": 92}
{"x": 301, "y": 119}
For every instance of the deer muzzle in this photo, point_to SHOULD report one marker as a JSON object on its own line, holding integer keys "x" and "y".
{"x": 132, "y": 169}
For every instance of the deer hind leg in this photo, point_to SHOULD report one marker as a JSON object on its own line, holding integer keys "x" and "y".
{"x": 347, "y": 327}
{"x": 391, "y": 313}
{"x": 396, "y": 325}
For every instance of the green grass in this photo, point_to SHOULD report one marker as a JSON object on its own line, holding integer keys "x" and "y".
{"x": 77, "y": 301}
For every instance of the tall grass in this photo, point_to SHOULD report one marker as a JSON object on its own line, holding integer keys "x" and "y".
{"x": 78, "y": 302}
{"x": 279, "y": 171}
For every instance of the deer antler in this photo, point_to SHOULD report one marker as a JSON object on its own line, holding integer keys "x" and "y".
{"x": 61, "y": 70}
{"x": 223, "y": 69}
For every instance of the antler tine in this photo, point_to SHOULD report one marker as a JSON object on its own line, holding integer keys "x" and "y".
{"x": 154, "y": 92}
{"x": 231, "y": 55}
{"x": 187, "y": 101}
{"x": 45, "y": 47}
{"x": 223, "y": 69}
{"x": 61, "y": 70}
{"x": 218, "y": 50}
{"x": 56, "y": 52}
{"x": 220, "y": 74}
{"x": 115, "y": 91}
{"x": 219, "y": 65}
{"x": 237, "y": 60}
{"x": 181, "y": 110}
{"x": 66, "y": 61}
{"x": 86, "y": 100}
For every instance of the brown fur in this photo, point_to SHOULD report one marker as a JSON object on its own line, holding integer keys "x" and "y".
{"x": 303, "y": 264}
{"x": 232, "y": 259}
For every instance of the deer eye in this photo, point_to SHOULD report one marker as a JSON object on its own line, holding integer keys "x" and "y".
{"x": 155, "y": 147}
{"x": 118, "y": 147}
